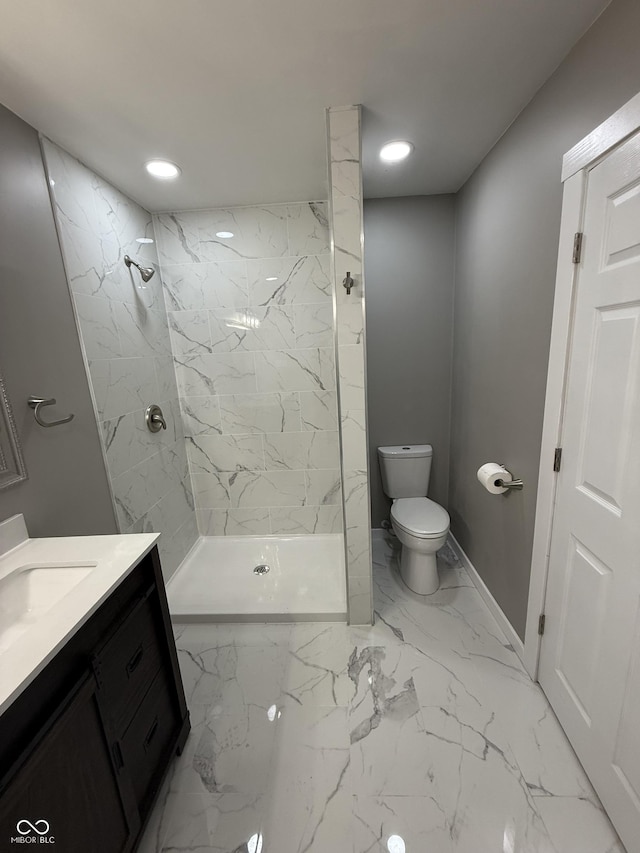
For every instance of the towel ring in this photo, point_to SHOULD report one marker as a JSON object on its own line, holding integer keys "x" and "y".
{"x": 36, "y": 403}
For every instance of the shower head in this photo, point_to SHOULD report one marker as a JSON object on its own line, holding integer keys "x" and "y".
{"x": 145, "y": 272}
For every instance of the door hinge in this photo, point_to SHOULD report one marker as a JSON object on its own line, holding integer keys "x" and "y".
{"x": 557, "y": 458}
{"x": 541, "y": 622}
{"x": 577, "y": 247}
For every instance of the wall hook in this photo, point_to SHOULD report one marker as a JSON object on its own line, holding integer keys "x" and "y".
{"x": 348, "y": 283}
{"x": 36, "y": 403}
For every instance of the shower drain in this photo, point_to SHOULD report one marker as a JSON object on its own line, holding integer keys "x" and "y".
{"x": 262, "y": 569}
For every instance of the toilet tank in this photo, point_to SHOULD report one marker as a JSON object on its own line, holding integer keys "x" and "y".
{"x": 405, "y": 470}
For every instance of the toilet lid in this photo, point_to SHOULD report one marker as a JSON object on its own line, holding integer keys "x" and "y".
{"x": 420, "y": 517}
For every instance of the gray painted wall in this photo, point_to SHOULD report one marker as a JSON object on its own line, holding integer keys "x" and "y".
{"x": 507, "y": 238}
{"x": 409, "y": 251}
{"x": 67, "y": 491}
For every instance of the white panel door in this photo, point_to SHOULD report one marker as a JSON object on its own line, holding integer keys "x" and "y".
{"x": 590, "y": 659}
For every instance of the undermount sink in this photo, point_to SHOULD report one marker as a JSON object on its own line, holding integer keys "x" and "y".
{"x": 32, "y": 590}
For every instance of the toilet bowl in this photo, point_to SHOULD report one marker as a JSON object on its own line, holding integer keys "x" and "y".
{"x": 422, "y": 526}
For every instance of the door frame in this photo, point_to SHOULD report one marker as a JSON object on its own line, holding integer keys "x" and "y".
{"x": 575, "y": 166}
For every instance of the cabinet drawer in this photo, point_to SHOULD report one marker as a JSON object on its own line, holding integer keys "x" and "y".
{"x": 127, "y": 664}
{"x": 149, "y": 735}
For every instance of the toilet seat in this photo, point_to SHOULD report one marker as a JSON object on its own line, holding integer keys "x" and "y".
{"x": 420, "y": 517}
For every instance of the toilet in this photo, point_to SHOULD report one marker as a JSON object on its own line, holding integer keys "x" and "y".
{"x": 420, "y": 524}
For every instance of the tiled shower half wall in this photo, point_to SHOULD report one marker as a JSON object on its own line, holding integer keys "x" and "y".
{"x": 251, "y": 321}
{"x": 125, "y": 337}
{"x": 345, "y": 180}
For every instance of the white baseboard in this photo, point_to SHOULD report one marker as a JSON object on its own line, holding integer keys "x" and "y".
{"x": 489, "y": 600}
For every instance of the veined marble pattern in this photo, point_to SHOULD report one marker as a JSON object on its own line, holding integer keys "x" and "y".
{"x": 220, "y": 373}
{"x": 301, "y": 450}
{"x": 319, "y": 410}
{"x": 308, "y": 228}
{"x": 421, "y": 733}
{"x": 259, "y": 232}
{"x": 344, "y": 132}
{"x": 263, "y": 413}
{"x": 190, "y": 286}
{"x": 251, "y": 324}
{"x": 289, "y": 280}
{"x": 296, "y": 370}
{"x": 310, "y": 519}
{"x": 253, "y": 329}
{"x": 124, "y": 330}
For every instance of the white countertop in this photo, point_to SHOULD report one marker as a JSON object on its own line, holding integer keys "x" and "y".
{"x": 112, "y": 558}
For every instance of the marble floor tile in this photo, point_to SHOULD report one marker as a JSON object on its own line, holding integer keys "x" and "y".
{"x": 578, "y": 826}
{"x": 213, "y": 823}
{"x": 231, "y": 677}
{"x": 317, "y": 666}
{"x": 226, "y": 753}
{"x": 310, "y": 796}
{"x": 421, "y": 733}
{"x": 388, "y": 759}
{"x": 457, "y": 694}
{"x": 399, "y": 824}
{"x": 461, "y": 628}
{"x": 541, "y": 748}
{"x": 309, "y": 817}
{"x": 385, "y": 722}
{"x": 480, "y": 789}
{"x": 198, "y": 636}
{"x": 305, "y": 736}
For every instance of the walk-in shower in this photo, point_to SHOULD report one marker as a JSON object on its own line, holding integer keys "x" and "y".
{"x": 263, "y": 459}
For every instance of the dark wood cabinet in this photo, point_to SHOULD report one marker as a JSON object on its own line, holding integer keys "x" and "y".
{"x": 128, "y": 661}
{"x": 84, "y": 749}
{"x": 69, "y": 784}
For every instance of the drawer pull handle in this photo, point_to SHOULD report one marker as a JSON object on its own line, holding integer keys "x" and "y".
{"x": 134, "y": 662}
{"x": 151, "y": 733}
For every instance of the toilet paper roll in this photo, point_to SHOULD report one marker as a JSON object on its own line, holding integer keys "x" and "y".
{"x": 490, "y": 473}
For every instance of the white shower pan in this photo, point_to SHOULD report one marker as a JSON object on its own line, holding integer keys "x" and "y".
{"x": 217, "y": 581}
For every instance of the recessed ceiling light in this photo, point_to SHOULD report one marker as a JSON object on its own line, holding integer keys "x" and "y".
{"x": 162, "y": 169}
{"x": 393, "y": 152}
{"x": 271, "y": 278}
{"x": 224, "y": 235}
{"x": 395, "y": 844}
{"x": 144, "y": 240}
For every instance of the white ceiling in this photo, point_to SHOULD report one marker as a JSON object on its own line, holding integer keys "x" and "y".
{"x": 235, "y": 92}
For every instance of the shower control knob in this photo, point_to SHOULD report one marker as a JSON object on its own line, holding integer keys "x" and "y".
{"x": 154, "y": 418}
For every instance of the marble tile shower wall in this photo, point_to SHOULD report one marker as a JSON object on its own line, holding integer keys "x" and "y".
{"x": 345, "y": 177}
{"x": 251, "y": 320}
{"x": 125, "y": 335}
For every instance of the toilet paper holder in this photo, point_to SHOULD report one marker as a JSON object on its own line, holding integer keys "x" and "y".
{"x": 517, "y": 485}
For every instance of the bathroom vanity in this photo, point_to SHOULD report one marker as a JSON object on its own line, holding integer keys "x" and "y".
{"x": 92, "y": 708}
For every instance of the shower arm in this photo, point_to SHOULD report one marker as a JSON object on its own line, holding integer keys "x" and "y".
{"x": 130, "y": 262}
